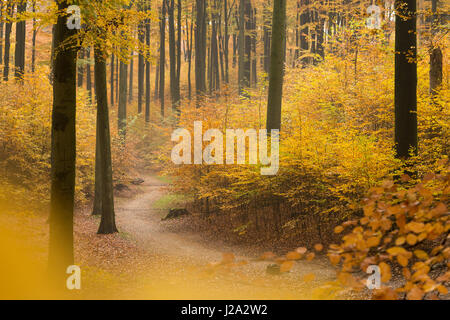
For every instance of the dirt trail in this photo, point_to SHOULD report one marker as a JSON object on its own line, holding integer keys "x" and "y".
{"x": 179, "y": 259}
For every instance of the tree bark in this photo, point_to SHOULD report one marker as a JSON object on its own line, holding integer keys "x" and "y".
{"x": 62, "y": 151}
{"x": 405, "y": 78}
{"x": 162, "y": 57}
{"x": 19, "y": 55}
{"x": 8, "y": 28}
{"x": 122, "y": 109}
{"x": 277, "y": 59}
{"x": 200, "y": 48}
{"x": 103, "y": 150}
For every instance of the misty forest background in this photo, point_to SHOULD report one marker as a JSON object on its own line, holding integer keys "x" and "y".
{"x": 87, "y": 114}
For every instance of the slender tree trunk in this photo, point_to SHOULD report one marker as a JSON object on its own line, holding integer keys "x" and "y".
{"x": 226, "y": 41}
{"x": 33, "y": 40}
{"x": 103, "y": 162}
{"x": 241, "y": 46}
{"x": 8, "y": 28}
{"x": 141, "y": 67}
{"x": 436, "y": 54}
{"x": 200, "y": 48}
{"x": 277, "y": 59}
{"x": 80, "y": 67}
{"x": 19, "y": 55}
{"x": 2, "y": 14}
{"x": 62, "y": 151}
{"x": 111, "y": 81}
{"x": 174, "y": 85}
{"x": 88, "y": 73}
{"x": 147, "y": 73}
{"x": 130, "y": 83}
{"x": 162, "y": 57}
{"x": 122, "y": 109}
{"x": 405, "y": 78}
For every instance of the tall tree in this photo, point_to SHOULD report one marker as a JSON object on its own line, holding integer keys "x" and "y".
{"x": 19, "y": 54}
{"x": 162, "y": 56}
{"x": 277, "y": 58}
{"x": 147, "y": 70}
{"x": 80, "y": 67}
{"x": 62, "y": 149}
{"x": 405, "y": 78}
{"x": 103, "y": 167}
{"x": 173, "y": 57}
{"x": 111, "y": 81}
{"x": 88, "y": 72}
{"x": 130, "y": 83}
{"x": 122, "y": 109}
{"x": 8, "y": 29}
{"x": 141, "y": 66}
{"x": 200, "y": 48}
{"x": 33, "y": 39}
{"x": 436, "y": 52}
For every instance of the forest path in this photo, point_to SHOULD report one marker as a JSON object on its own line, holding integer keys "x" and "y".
{"x": 179, "y": 261}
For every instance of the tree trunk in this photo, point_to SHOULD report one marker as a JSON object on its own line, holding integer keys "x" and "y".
{"x": 62, "y": 151}
{"x": 80, "y": 67}
{"x": 162, "y": 56}
{"x": 88, "y": 73}
{"x": 277, "y": 59}
{"x": 141, "y": 67}
{"x": 200, "y": 48}
{"x": 147, "y": 73}
{"x": 405, "y": 78}
{"x": 19, "y": 55}
{"x": 103, "y": 164}
{"x": 174, "y": 85}
{"x": 111, "y": 81}
{"x": 122, "y": 109}
{"x": 436, "y": 54}
{"x": 8, "y": 28}
{"x": 130, "y": 84}
{"x": 33, "y": 41}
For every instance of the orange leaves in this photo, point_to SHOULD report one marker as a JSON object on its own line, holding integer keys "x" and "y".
{"x": 416, "y": 227}
{"x": 318, "y": 247}
{"x": 338, "y": 229}
{"x": 267, "y": 256}
{"x": 384, "y": 294}
{"x": 385, "y": 271}
{"x": 294, "y": 255}
{"x": 286, "y": 266}
{"x": 411, "y": 239}
{"x": 227, "y": 258}
{"x": 415, "y": 294}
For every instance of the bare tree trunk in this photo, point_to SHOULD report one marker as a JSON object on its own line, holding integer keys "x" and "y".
{"x": 277, "y": 59}
{"x": 405, "y": 78}
{"x": 8, "y": 28}
{"x": 62, "y": 151}
{"x": 103, "y": 162}
{"x": 19, "y": 55}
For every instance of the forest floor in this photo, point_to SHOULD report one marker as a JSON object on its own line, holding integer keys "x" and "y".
{"x": 151, "y": 258}
{"x": 184, "y": 264}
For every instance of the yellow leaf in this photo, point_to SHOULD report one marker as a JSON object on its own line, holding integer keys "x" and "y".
{"x": 309, "y": 277}
{"x": 318, "y": 247}
{"x": 385, "y": 272}
{"x": 338, "y": 229}
{"x": 293, "y": 255}
{"x": 411, "y": 239}
{"x": 421, "y": 254}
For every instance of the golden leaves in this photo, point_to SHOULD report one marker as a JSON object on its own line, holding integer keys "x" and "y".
{"x": 294, "y": 255}
{"x": 385, "y": 271}
{"x": 338, "y": 229}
